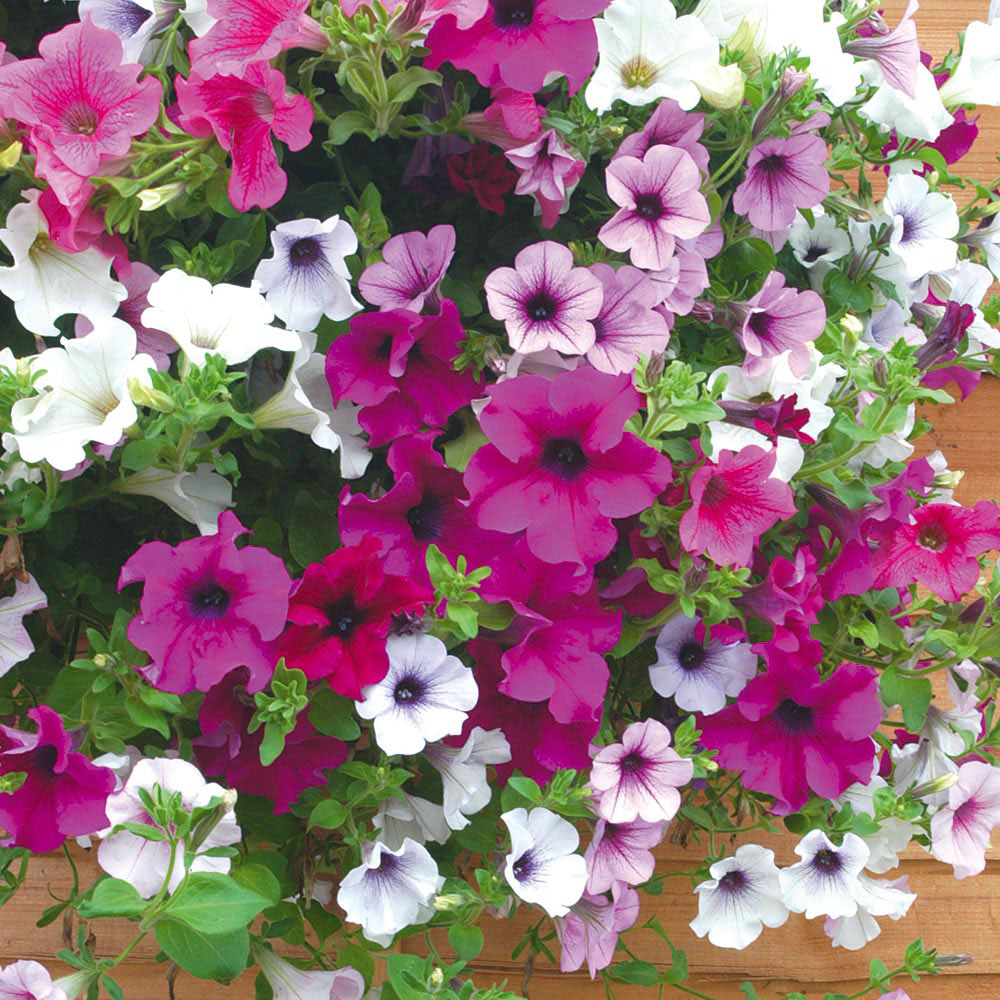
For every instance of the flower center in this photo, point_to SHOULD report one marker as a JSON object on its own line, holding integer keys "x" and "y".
{"x": 425, "y": 518}
{"x": 210, "y": 600}
{"x": 564, "y": 457}
{"x": 304, "y": 252}
{"x": 691, "y": 655}
{"x": 632, "y": 762}
{"x": 773, "y": 164}
{"x": 523, "y": 867}
{"x": 932, "y": 537}
{"x": 715, "y": 492}
{"x": 794, "y": 717}
{"x": 45, "y": 758}
{"x": 760, "y": 323}
{"x": 648, "y": 207}
{"x": 733, "y": 881}
{"x": 407, "y": 689}
{"x": 827, "y": 861}
{"x": 344, "y": 618}
{"x": 541, "y": 307}
{"x": 81, "y": 118}
{"x": 638, "y": 72}
{"x": 513, "y": 13}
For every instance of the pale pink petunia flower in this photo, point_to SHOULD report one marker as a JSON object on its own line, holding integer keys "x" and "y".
{"x": 960, "y": 830}
{"x": 549, "y": 171}
{"x": 409, "y": 274}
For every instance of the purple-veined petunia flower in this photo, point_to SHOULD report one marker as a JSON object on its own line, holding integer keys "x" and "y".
{"x": 243, "y": 112}
{"x": 589, "y": 932}
{"x": 15, "y": 643}
{"x": 28, "y": 980}
{"x": 207, "y": 607}
{"x": 896, "y": 52}
{"x": 825, "y": 882}
{"x": 463, "y": 772}
{"x": 659, "y": 203}
{"x": 878, "y": 897}
{"x": 740, "y": 899}
{"x": 628, "y": 326}
{"x": 560, "y": 464}
{"x": 254, "y": 31}
{"x": 409, "y": 274}
{"x": 668, "y": 125}
{"x": 733, "y": 502}
{"x": 790, "y": 731}
{"x": 639, "y": 777}
{"x": 307, "y": 278}
{"x": 698, "y": 667}
{"x": 290, "y": 982}
{"x": 960, "y": 830}
{"x": 63, "y": 793}
{"x": 680, "y": 283}
{"x": 782, "y": 175}
{"x": 549, "y": 171}
{"x": 545, "y": 301}
{"x": 621, "y": 852}
{"x": 924, "y": 225}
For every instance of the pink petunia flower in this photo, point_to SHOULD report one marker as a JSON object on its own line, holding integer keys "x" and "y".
{"x": 520, "y": 42}
{"x": 668, "y": 125}
{"x": 409, "y": 274}
{"x": 560, "y": 464}
{"x": 659, "y": 203}
{"x": 680, "y": 283}
{"x": 621, "y": 852}
{"x": 549, "y": 171}
{"x": 790, "y": 731}
{"x": 63, "y": 794}
{"x": 483, "y": 174}
{"x": 781, "y": 176}
{"x": 207, "y": 607}
{"x": 253, "y": 31}
{"x": 545, "y": 301}
{"x": 938, "y": 549}
{"x": 639, "y": 777}
{"x": 897, "y": 52}
{"x": 243, "y": 112}
{"x": 589, "y": 932}
{"x": 733, "y": 502}
{"x": 28, "y": 980}
{"x": 960, "y": 831}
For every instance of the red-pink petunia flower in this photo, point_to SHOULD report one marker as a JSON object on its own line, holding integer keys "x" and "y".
{"x": 733, "y": 502}
{"x": 938, "y": 549}
{"x": 63, "y": 794}
{"x": 519, "y": 42}
{"x": 207, "y": 607}
{"x": 483, "y": 174}
{"x": 243, "y": 112}
{"x": 549, "y": 171}
{"x": 560, "y": 465}
{"x": 249, "y": 31}
{"x": 340, "y": 613}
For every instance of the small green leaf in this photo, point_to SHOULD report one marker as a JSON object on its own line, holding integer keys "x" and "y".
{"x": 467, "y": 941}
{"x": 112, "y": 897}
{"x": 206, "y": 956}
{"x": 329, "y": 814}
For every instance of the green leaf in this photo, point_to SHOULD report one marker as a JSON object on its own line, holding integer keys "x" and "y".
{"x": 333, "y": 715}
{"x": 312, "y": 531}
{"x": 214, "y": 903}
{"x": 408, "y": 976}
{"x": 328, "y": 814}
{"x": 636, "y": 972}
{"x": 145, "y": 716}
{"x": 141, "y": 454}
{"x": 258, "y": 879}
{"x": 467, "y": 941}
{"x": 346, "y": 124}
{"x": 747, "y": 988}
{"x": 912, "y": 694}
{"x": 401, "y": 87}
{"x": 112, "y": 897}
{"x": 205, "y": 956}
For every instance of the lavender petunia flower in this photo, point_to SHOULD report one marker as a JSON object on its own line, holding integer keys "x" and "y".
{"x": 409, "y": 274}
{"x": 549, "y": 171}
{"x": 668, "y": 125}
{"x": 621, "y": 852}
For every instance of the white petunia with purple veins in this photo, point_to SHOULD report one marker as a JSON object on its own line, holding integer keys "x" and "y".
{"x": 825, "y": 882}
{"x": 15, "y": 643}
{"x": 924, "y": 224}
{"x": 879, "y": 898}
{"x": 463, "y": 772}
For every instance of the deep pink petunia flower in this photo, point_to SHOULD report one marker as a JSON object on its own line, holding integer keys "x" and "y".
{"x": 781, "y": 176}
{"x": 63, "y": 794}
{"x": 519, "y": 42}
{"x": 249, "y": 31}
{"x": 560, "y": 464}
{"x": 80, "y": 102}
{"x": 659, "y": 204}
{"x": 733, "y": 502}
{"x": 790, "y": 731}
{"x": 409, "y": 274}
{"x": 549, "y": 171}
{"x": 207, "y": 607}
{"x": 668, "y": 125}
{"x": 340, "y": 613}
{"x": 789, "y": 588}
{"x": 938, "y": 549}
{"x": 243, "y": 112}
{"x": 483, "y": 174}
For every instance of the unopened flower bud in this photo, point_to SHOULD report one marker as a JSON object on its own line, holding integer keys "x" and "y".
{"x": 153, "y": 198}
{"x": 959, "y": 959}
{"x": 145, "y": 395}
{"x": 939, "y": 784}
{"x": 852, "y": 325}
{"x": 437, "y": 977}
{"x": 10, "y": 156}
{"x": 949, "y": 479}
{"x": 447, "y": 901}
{"x": 102, "y": 661}
{"x": 880, "y": 372}
{"x": 229, "y": 797}
{"x": 722, "y": 86}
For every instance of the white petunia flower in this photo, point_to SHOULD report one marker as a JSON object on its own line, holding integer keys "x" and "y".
{"x": 222, "y": 319}
{"x": 986, "y": 237}
{"x": 390, "y": 890}
{"x": 542, "y": 866}
{"x": 289, "y": 982}
{"x": 15, "y": 643}
{"x": 976, "y": 78}
{"x": 425, "y": 696}
{"x": 889, "y": 324}
{"x": 647, "y": 53}
{"x": 742, "y": 897}
{"x": 918, "y": 764}
{"x": 924, "y": 224}
{"x": 880, "y": 898}
{"x": 412, "y": 817}
{"x": 825, "y": 882}
{"x": 463, "y": 772}
{"x": 894, "y": 834}
{"x": 967, "y": 283}
{"x": 46, "y": 282}
{"x": 307, "y": 277}
{"x": 83, "y": 398}
{"x": 887, "y": 265}
{"x": 818, "y": 246}
{"x": 198, "y": 497}
{"x": 922, "y": 116}
{"x": 894, "y": 447}
{"x": 136, "y": 22}
{"x": 963, "y": 685}
{"x": 304, "y": 403}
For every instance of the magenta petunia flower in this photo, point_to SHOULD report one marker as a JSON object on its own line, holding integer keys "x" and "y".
{"x": 409, "y": 274}
{"x": 207, "y": 607}
{"x": 781, "y": 176}
{"x": 63, "y": 794}
{"x": 545, "y": 301}
{"x": 426, "y": 506}
{"x": 775, "y": 320}
{"x": 733, "y": 502}
{"x": 520, "y": 42}
{"x": 628, "y": 326}
{"x": 621, "y": 852}
{"x": 790, "y": 731}
{"x": 243, "y": 112}
{"x": 659, "y": 204}
{"x": 249, "y": 31}
{"x": 560, "y": 465}
{"x": 82, "y": 105}
{"x": 668, "y": 125}
{"x": 340, "y": 613}
{"x": 938, "y": 549}
{"x": 549, "y": 171}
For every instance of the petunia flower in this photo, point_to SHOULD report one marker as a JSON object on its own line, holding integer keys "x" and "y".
{"x": 825, "y": 882}
{"x": 818, "y": 245}
{"x": 659, "y": 203}
{"x": 740, "y": 899}
{"x": 782, "y": 174}
{"x": 680, "y": 283}
{"x": 589, "y": 932}
{"x": 639, "y": 778}
{"x": 924, "y": 225}
{"x": 424, "y": 697}
{"x": 136, "y": 22}
{"x": 147, "y": 865}
{"x": 549, "y": 171}
{"x": 390, "y": 890}
{"x": 15, "y": 643}
{"x": 545, "y": 301}
{"x": 879, "y": 897}
{"x": 621, "y": 852}
{"x": 542, "y": 866}
{"x": 206, "y": 608}
{"x": 893, "y": 835}
{"x": 560, "y": 465}
{"x": 411, "y": 269}
{"x": 922, "y": 763}
{"x": 243, "y": 112}
{"x": 339, "y": 614}
{"x": 483, "y": 174}
{"x": 463, "y": 772}
{"x": 976, "y": 77}
{"x": 289, "y": 982}
{"x": 306, "y": 278}
{"x": 896, "y": 52}
{"x": 412, "y": 816}
{"x": 199, "y": 496}
{"x": 63, "y": 794}
{"x": 960, "y": 830}
{"x": 28, "y": 980}
{"x": 668, "y": 125}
